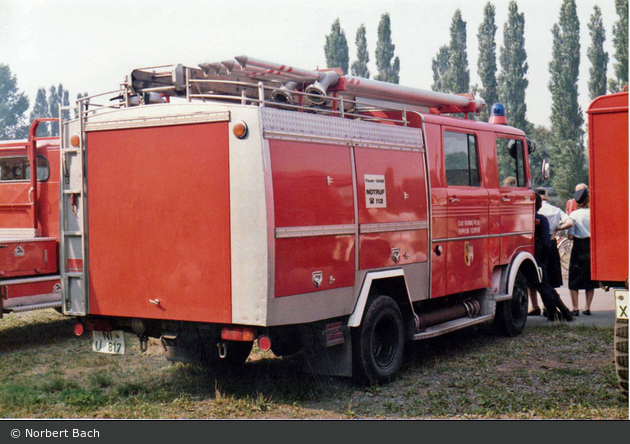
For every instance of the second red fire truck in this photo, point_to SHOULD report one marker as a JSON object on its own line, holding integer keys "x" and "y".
{"x": 242, "y": 201}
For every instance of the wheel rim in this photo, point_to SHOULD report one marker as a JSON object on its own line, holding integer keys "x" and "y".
{"x": 384, "y": 341}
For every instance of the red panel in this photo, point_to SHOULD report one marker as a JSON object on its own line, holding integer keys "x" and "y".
{"x": 608, "y": 158}
{"x": 27, "y": 258}
{"x": 298, "y": 258}
{"x": 302, "y": 194}
{"x": 31, "y": 289}
{"x": 376, "y": 248}
{"x": 404, "y": 173}
{"x": 159, "y": 222}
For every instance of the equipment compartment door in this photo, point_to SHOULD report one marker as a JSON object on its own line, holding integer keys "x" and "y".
{"x": 159, "y": 222}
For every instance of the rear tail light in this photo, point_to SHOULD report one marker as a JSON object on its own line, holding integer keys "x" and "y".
{"x": 244, "y": 334}
{"x": 78, "y": 329}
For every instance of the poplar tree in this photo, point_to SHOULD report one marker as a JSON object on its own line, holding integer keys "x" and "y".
{"x": 336, "y": 48}
{"x": 13, "y": 107}
{"x": 41, "y": 110}
{"x": 57, "y": 96}
{"x": 513, "y": 59}
{"x": 567, "y": 150}
{"x": 75, "y": 108}
{"x": 620, "y": 42}
{"x": 596, "y": 54}
{"x": 439, "y": 65}
{"x": 359, "y": 67}
{"x": 487, "y": 63}
{"x": 457, "y": 76}
{"x": 388, "y": 71}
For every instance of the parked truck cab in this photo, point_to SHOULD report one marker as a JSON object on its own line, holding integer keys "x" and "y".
{"x": 29, "y": 223}
{"x": 248, "y": 201}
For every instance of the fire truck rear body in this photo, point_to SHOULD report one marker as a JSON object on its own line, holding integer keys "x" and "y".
{"x": 298, "y": 226}
{"x": 29, "y": 223}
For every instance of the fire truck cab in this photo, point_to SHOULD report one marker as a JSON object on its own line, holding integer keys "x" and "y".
{"x": 247, "y": 200}
{"x": 29, "y": 223}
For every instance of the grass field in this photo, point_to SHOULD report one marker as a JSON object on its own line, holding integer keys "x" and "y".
{"x": 559, "y": 371}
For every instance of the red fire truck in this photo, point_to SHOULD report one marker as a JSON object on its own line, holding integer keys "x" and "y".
{"x": 608, "y": 176}
{"x": 248, "y": 201}
{"x": 29, "y": 223}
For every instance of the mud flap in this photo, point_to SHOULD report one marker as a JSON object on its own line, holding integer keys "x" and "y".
{"x": 332, "y": 361}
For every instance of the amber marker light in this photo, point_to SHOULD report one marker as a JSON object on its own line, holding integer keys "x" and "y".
{"x": 75, "y": 140}
{"x": 240, "y": 129}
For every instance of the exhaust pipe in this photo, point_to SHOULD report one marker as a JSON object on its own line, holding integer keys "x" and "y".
{"x": 283, "y": 94}
{"x": 321, "y": 85}
{"x": 470, "y": 308}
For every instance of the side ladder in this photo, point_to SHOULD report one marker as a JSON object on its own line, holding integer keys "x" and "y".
{"x": 73, "y": 263}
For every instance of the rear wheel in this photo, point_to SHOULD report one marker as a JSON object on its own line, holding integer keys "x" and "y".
{"x": 621, "y": 354}
{"x": 511, "y": 315}
{"x": 378, "y": 343}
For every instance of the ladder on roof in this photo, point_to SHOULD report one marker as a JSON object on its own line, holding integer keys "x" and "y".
{"x": 73, "y": 216}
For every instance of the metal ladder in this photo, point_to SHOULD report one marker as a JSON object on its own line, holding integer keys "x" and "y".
{"x": 73, "y": 217}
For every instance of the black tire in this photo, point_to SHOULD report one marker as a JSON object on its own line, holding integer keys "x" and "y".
{"x": 511, "y": 315}
{"x": 621, "y": 354}
{"x": 378, "y": 344}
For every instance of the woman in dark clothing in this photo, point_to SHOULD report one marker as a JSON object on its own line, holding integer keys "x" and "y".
{"x": 556, "y": 309}
{"x": 580, "y": 262}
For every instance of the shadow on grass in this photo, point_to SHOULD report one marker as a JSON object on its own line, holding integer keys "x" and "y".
{"x": 36, "y": 334}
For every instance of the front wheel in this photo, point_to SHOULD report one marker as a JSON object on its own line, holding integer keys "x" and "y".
{"x": 621, "y": 354}
{"x": 378, "y": 343}
{"x": 511, "y": 315}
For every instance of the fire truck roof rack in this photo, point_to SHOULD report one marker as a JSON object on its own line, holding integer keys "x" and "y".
{"x": 250, "y": 81}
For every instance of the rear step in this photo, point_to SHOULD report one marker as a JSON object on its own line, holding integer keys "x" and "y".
{"x": 31, "y": 307}
{"x": 447, "y": 327}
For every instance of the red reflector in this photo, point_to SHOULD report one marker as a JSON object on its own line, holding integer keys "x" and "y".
{"x": 78, "y": 329}
{"x": 75, "y": 265}
{"x": 244, "y": 334}
{"x": 264, "y": 343}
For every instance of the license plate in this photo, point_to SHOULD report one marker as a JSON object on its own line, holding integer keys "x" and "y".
{"x": 621, "y": 301}
{"x": 110, "y": 342}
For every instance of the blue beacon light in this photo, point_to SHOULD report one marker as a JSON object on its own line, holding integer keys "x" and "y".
{"x": 497, "y": 114}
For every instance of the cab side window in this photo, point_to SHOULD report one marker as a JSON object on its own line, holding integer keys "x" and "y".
{"x": 460, "y": 159}
{"x": 510, "y": 159}
{"x": 17, "y": 168}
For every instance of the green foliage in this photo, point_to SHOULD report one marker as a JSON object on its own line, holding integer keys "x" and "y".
{"x": 359, "y": 67}
{"x": 13, "y": 107}
{"x": 336, "y": 48}
{"x": 41, "y": 110}
{"x": 568, "y": 160}
{"x": 597, "y": 55}
{"x": 440, "y": 65}
{"x": 487, "y": 63}
{"x": 457, "y": 77}
{"x": 57, "y": 96}
{"x": 388, "y": 71}
{"x": 620, "y": 41}
{"x": 513, "y": 59}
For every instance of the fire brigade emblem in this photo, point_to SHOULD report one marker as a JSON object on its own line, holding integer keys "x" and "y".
{"x": 468, "y": 253}
{"x": 19, "y": 251}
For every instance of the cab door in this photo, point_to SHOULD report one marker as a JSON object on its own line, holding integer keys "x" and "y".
{"x": 467, "y": 213}
{"x": 516, "y": 199}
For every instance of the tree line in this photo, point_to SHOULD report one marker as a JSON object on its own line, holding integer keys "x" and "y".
{"x": 506, "y": 81}
{"x": 14, "y": 105}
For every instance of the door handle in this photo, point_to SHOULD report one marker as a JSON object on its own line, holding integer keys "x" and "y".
{"x": 505, "y": 199}
{"x": 30, "y": 195}
{"x": 453, "y": 199}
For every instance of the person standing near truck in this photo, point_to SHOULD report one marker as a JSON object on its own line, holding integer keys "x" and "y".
{"x": 579, "y": 226}
{"x": 571, "y": 205}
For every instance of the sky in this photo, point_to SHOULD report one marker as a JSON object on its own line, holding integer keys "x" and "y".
{"x": 90, "y": 45}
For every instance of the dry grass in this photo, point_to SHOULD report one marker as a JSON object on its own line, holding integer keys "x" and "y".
{"x": 559, "y": 371}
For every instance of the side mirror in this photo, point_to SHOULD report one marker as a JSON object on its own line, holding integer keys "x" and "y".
{"x": 531, "y": 145}
{"x": 545, "y": 169}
